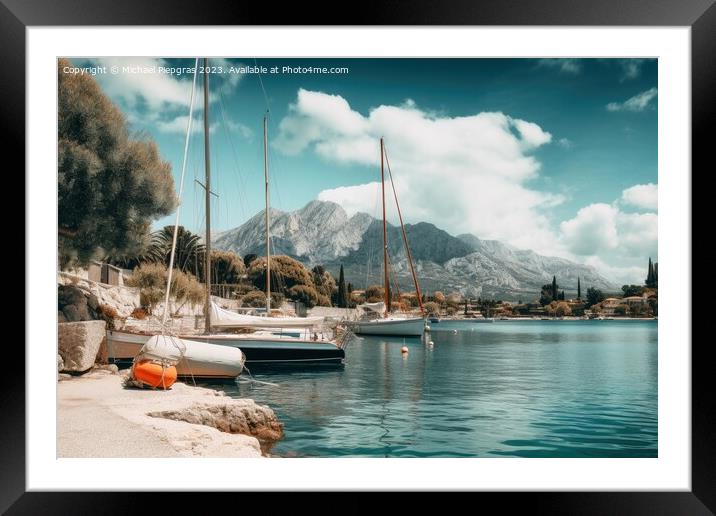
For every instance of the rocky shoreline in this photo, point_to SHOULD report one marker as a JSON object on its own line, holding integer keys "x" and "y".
{"x": 99, "y": 417}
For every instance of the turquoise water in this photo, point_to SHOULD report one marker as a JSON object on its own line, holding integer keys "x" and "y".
{"x": 506, "y": 389}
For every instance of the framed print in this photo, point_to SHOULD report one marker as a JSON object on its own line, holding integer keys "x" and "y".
{"x": 414, "y": 252}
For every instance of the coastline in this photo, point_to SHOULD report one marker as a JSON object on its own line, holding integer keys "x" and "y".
{"x": 98, "y": 417}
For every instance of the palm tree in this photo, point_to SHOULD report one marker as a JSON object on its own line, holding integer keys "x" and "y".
{"x": 189, "y": 251}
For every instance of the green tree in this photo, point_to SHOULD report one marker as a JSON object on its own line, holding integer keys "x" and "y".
{"x": 248, "y": 259}
{"x": 188, "y": 254}
{"x": 285, "y": 273}
{"x": 594, "y": 296}
{"x": 554, "y": 287}
{"x": 325, "y": 285}
{"x": 226, "y": 267}
{"x": 110, "y": 186}
{"x": 545, "y": 297}
{"x": 632, "y": 290}
{"x": 579, "y": 289}
{"x": 305, "y": 294}
{"x": 650, "y": 276}
{"x": 342, "y": 300}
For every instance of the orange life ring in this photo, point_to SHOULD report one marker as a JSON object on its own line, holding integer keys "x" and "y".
{"x": 154, "y": 375}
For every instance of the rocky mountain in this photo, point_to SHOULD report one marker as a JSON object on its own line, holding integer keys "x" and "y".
{"x": 322, "y": 233}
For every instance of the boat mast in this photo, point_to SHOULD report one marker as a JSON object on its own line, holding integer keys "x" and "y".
{"x": 386, "y": 281}
{"x": 408, "y": 252}
{"x": 207, "y": 201}
{"x": 268, "y": 250}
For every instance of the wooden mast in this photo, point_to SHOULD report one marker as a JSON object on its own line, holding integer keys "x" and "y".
{"x": 207, "y": 201}
{"x": 408, "y": 252}
{"x": 386, "y": 280}
{"x": 268, "y": 250}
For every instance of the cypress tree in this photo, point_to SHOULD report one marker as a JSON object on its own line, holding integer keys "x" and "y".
{"x": 650, "y": 278}
{"x": 579, "y": 289}
{"x": 342, "y": 294}
{"x": 554, "y": 287}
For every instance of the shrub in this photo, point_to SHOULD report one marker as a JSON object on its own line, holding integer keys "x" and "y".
{"x": 139, "y": 313}
{"x": 431, "y": 307}
{"x": 374, "y": 294}
{"x": 150, "y": 278}
{"x": 108, "y": 314}
{"x": 257, "y": 299}
{"x": 285, "y": 273}
{"x": 307, "y": 295}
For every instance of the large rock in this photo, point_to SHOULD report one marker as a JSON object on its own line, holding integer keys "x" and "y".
{"x": 75, "y": 313}
{"x": 234, "y": 417}
{"x": 121, "y": 298}
{"x": 79, "y": 343}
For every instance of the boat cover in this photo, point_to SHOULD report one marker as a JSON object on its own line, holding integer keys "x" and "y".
{"x": 226, "y": 318}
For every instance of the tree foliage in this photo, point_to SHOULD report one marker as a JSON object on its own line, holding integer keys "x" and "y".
{"x": 151, "y": 279}
{"x": 285, "y": 273}
{"x": 342, "y": 299}
{"x": 632, "y": 290}
{"x": 594, "y": 296}
{"x": 305, "y": 294}
{"x": 227, "y": 267}
{"x": 110, "y": 185}
{"x": 374, "y": 294}
{"x": 257, "y": 299}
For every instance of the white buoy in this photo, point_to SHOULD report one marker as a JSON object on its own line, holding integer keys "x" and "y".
{"x": 454, "y": 332}
{"x": 404, "y": 349}
{"x": 430, "y": 343}
{"x": 427, "y": 328}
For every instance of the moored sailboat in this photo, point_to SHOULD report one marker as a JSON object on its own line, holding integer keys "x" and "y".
{"x": 266, "y": 343}
{"x": 391, "y": 324}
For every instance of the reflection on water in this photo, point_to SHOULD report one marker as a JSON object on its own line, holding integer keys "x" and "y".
{"x": 525, "y": 389}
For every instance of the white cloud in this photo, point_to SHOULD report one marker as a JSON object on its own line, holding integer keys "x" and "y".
{"x": 601, "y": 235}
{"x": 178, "y": 126}
{"x": 565, "y": 143}
{"x": 631, "y": 68}
{"x": 592, "y": 231}
{"x": 159, "y": 91}
{"x": 153, "y": 89}
{"x": 564, "y": 65}
{"x": 638, "y": 102}
{"x": 628, "y": 275}
{"x": 642, "y": 196}
{"x": 464, "y": 174}
{"x": 638, "y": 233}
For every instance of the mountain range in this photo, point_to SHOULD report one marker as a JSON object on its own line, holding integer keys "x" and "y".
{"x": 322, "y": 233}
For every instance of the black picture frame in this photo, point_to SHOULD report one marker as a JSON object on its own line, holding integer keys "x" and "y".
{"x": 17, "y": 15}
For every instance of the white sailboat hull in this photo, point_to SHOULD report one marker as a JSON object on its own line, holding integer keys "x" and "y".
{"x": 257, "y": 348}
{"x": 390, "y": 326}
{"x": 200, "y": 360}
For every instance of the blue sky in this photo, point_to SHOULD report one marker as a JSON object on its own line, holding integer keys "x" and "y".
{"x": 556, "y": 155}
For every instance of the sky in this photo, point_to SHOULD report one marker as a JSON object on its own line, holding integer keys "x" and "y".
{"x": 554, "y": 155}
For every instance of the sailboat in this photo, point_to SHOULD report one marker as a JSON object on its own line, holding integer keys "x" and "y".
{"x": 160, "y": 358}
{"x": 390, "y": 324}
{"x": 269, "y": 343}
{"x": 222, "y": 318}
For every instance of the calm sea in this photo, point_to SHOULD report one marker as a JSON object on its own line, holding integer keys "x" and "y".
{"x": 503, "y": 389}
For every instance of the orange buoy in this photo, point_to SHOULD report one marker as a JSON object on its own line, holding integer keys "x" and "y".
{"x": 154, "y": 375}
{"x": 404, "y": 349}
